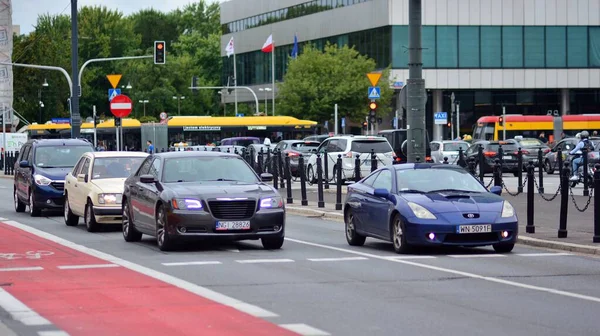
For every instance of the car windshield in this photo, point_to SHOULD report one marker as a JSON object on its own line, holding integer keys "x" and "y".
{"x": 428, "y": 180}
{"x": 59, "y": 156}
{"x": 198, "y": 169}
{"x": 531, "y": 143}
{"x": 305, "y": 146}
{"x": 454, "y": 146}
{"x": 493, "y": 147}
{"x": 365, "y": 146}
{"x": 115, "y": 167}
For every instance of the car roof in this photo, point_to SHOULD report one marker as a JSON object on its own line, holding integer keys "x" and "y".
{"x": 115, "y": 154}
{"x": 59, "y": 142}
{"x": 424, "y": 165}
{"x": 184, "y": 154}
{"x": 359, "y": 137}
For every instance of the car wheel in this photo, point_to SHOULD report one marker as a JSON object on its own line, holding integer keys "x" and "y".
{"x": 90, "y": 219}
{"x": 272, "y": 243}
{"x": 70, "y": 218}
{"x": 130, "y": 234}
{"x": 503, "y": 248}
{"x": 399, "y": 236}
{"x": 163, "y": 238}
{"x": 548, "y": 167}
{"x": 33, "y": 210}
{"x": 310, "y": 175}
{"x": 19, "y": 206}
{"x": 352, "y": 237}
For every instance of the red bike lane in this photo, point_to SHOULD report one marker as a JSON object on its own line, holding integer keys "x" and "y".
{"x": 85, "y": 295}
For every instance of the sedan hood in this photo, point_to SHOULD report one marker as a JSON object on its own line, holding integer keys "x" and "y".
{"x": 56, "y": 174}
{"x": 111, "y": 185}
{"x": 219, "y": 189}
{"x": 445, "y": 202}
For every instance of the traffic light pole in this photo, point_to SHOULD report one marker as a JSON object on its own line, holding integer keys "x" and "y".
{"x": 416, "y": 95}
{"x": 225, "y": 87}
{"x": 95, "y": 134}
{"x": 74, "y": 100}
{"x": 95, "y": 60}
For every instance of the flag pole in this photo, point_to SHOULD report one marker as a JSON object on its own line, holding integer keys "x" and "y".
{"x": 235, "y": 81}
{"x": 273, "y": 74}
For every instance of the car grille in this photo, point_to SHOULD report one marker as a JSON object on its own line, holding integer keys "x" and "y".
{"x": 471, "y": 237}
{"x": 58, "y": 185}
{"x": 232, "y": 209}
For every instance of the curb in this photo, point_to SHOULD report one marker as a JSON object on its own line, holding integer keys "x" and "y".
{"x": 523, "y": 240}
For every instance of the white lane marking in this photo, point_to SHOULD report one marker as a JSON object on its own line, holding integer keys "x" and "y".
{"x": 232, "y": 250}
{"x": 451, "y": 271}
{"x": 52, "y": 333}
{"x": 2, "y": 218}
{"x": 87, "y": 266}
{"x": 544, "y": 254}
{"x": 189, "y": 263}
{"x": 338, "y": 259}
{"x": 304, "y": 329}
{"x": 16, "y": 269}
{"x": 19, "y": 311}
{"x": 258, "y": 261}
{"x": 190, "y": 287}
{"x": 410, "y": 257}
{"x": 476, "y": 256}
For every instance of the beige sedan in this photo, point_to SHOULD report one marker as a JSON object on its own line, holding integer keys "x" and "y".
{"x": 94, "y": 188}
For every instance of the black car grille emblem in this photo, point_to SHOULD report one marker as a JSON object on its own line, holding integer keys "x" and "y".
{"x": 471, "y": 215}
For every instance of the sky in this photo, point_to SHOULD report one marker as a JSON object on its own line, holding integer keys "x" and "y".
{"x": 25, "y": 12}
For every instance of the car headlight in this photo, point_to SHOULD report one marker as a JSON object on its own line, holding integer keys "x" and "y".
{"x": 110, "y": 198}
{"x": 41, "y": 180}
{"x": 420, "y": 211}
{"x": 186, "y": 204}
{"x": 507, "y": 210}
{"x": 271, "y": 202}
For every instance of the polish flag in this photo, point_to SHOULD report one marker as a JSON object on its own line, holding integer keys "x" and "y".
{"x": 268, "y": 46}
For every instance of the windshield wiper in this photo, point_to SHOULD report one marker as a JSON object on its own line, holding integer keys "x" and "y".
{"x": 224, "y": 179}
{"x": 412, "y": 191}
{"x": 457, "y": 190}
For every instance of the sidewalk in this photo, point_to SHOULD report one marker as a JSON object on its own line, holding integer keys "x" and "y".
{"x": 580, "y": 225}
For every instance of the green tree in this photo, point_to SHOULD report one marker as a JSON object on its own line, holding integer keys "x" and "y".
{"x": 317, "y": 80}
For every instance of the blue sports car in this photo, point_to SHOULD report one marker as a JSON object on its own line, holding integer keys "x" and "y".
{"x": 428, "y": 204}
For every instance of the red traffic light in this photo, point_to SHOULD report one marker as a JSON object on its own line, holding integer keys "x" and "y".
{"x": 373, "y": 105}
{"x": 449, "y": 124}
{"x": 159, "y": 46}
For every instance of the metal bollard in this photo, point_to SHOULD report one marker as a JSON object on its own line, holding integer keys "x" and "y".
{"x": 250, "y": 157}
{"x": 228, "y": 150}
{"x": 320, "y": 203}
{"x": 417, "y": 159}
{"x": 564, "y": 201}
{"x": 373, "y": 161}
{"x": 338, "y": 192}
{"x": 597, "y": 204}
{"x": 461, "y": 158}
{"x": 559, "y": 159}
{"x": 541, "y": 171}
{"x": 498, "y": 173}
{"x": 281, "y": 166}
{"x": 235, "y": 150}
{"x": 530, "y": 227}
{"x": 275, "y": 173}
{"x": 288, "y": 179}
{"x": 446, "y": 160}
{"x": 302, "y": 173}
{"x": 500, "y": 155}
{"x": 481, "y": 162}
{"x": 472, "y": 165}
{"x": 586, "y": 187}
{"x": 357, "y": 168}
{"x": 520, "y": 170}
{"x": 326, "y": 166}
{"x": 260, "y": 162}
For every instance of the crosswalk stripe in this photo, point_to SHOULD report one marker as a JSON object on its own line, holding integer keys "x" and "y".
{"x": 543, "y": 254}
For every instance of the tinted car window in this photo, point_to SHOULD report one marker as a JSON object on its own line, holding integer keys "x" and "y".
{"x": 383, "y": 181}
{"x": 305, "y": 146}
{"x": 454, "y": 146}
{"x": 145, "y": 167}
{"x": 369, "y": 180}
{"x": 244, "y": 142}
{"x": 59, "y": 156}
{"x": 427, "y": 180}
{"x": 365, "y": 146}
{"x": 120, "y": 167}
{"x": 508, "y": 147}
{"x": 197, "y": 169}
{"x": 531, "y": 142}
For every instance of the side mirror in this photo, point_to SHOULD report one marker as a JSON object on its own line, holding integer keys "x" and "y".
{"x": 82, "y": 178}
{"x": 24, "y": 164}
{"x": 496, "y": 190}
{"x": 266, "y": 177}
{"x": 383, "y": 193}
{"x": 147, "y": 178}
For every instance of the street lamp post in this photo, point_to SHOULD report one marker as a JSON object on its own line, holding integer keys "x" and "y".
{"x": 45, "y": 84}
{"x": 145, "y": 101}
{"x": 179, "y": 98}
{"x": 265, "y": 90}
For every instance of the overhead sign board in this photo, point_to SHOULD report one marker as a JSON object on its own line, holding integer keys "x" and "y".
{"x": 374, "y": 77}
{"x": 201, "y": 128}
{"x": 440, "y": 118}
{"x": 60, "y": 120}
{"x": 114, "y": 80}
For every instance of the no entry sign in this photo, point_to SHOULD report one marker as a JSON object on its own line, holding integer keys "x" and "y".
{"x": 121, "y": 106}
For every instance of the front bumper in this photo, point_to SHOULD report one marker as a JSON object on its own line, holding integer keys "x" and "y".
{"x": 108, "y": 214}
{"x": 201, "y": 224}
{"x": 446, "y": 234}
{"x": 48, "y": 197}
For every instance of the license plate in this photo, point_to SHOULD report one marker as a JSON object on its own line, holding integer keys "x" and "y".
{"x": 507, "y": 157}
{"x": 474, "y": 228}
{"x": 238, "y": 225}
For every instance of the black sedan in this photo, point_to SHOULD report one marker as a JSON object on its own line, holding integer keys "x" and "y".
{"x": 177, "y": 196}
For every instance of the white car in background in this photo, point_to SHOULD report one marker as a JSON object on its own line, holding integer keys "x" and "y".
{"x": 449, "y": 149}
{"x": 350, "y": 146}
{"x": 94, "y": 188}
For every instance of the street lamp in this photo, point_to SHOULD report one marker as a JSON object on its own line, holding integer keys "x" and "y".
{"x": 45, "y": 83}
{"x": 41, "y": 117}
{"x": 179, "y": 98}
{"x": 146, "y": 101}
{"x": 266, "y": 90}
{"x": 129, "y": 85}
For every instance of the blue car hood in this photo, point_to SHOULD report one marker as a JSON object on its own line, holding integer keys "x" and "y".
{"x": 53, "y": 173}
{"x": 445, "y": 202}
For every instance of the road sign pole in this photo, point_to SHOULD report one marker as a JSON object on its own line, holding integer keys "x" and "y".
{"x": 95, "y": 134}
{"x": 4, "y": 133}
{"x": 416, "y": 95}
{"x": 457, "y": 119}
{"x": 336, "y": 118}
{"x": 94, "y": 60}
{"x": 75, "y": 116}
{"x": 503, "y": 122}
{"x": 117, "y": 130}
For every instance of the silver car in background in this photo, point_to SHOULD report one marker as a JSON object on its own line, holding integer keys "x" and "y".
{"x": 447, "y": 148}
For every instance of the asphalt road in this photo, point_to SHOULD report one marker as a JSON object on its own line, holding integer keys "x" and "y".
{"x": 320, "y": 281}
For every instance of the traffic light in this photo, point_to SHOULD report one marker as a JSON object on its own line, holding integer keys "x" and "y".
{"x": 96, "y": 121}
{"x": 195, "y": 84}
{"x": 373, "y": 106}
{"x": 449, "y": 124}
{"x": 159, "y": 52}
{"x": 501, "y": 121}
{"x": 365, "y": 126}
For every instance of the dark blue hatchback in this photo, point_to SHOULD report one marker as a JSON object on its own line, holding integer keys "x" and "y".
{"x": 40, "y": 172}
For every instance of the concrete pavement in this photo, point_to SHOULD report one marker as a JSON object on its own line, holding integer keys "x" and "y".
{"x": 318, "y": 285}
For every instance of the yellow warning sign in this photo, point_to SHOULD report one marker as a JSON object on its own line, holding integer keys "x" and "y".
{"x": 114, "y": 80}
{"x": 374, "y": 78}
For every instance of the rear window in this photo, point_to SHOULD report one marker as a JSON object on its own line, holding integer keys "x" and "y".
{"x": 305, "y": 146}
{"x": 493, "y": 147}
{"x": 455, "y": 146}
{"x": 531, "y": 142}
{"x": 244, "y": 142}
{"x": 365, "y": 146}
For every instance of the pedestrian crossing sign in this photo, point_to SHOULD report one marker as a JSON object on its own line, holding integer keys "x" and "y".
{"x": 112, "y": 93}
{"x": 374, "y": 92}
